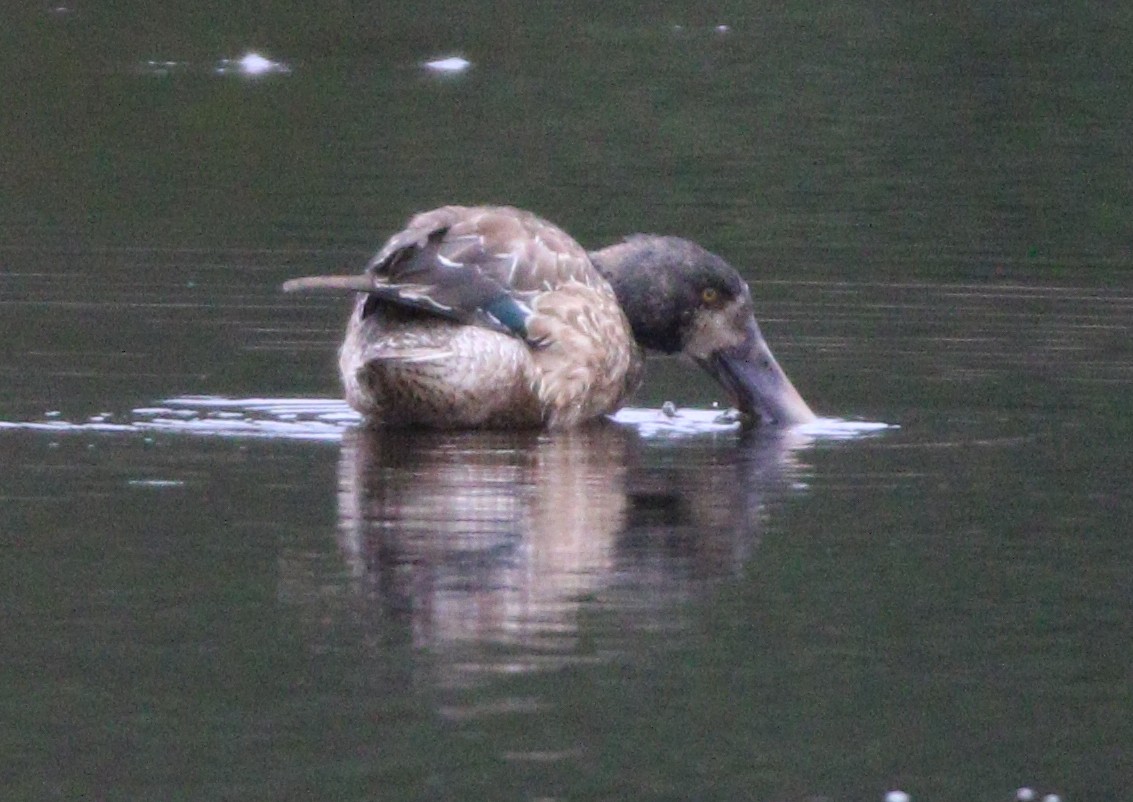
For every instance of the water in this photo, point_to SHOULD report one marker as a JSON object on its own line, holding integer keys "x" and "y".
{"x": 218, "y": 585}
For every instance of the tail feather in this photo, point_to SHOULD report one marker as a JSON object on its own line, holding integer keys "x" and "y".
{"x": 353, "y": 283}
{"x": 468, "y": 298}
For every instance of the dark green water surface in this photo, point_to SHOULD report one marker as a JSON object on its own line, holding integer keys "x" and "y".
{"x": 933, "y": 206}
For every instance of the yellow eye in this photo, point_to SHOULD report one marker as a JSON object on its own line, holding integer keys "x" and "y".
{"x": 709, "y": 295}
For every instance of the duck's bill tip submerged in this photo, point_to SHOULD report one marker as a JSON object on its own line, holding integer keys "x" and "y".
{"x": 760, "y": 388}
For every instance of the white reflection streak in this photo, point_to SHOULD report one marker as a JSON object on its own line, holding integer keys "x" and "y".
{"x": 251, "y": 65}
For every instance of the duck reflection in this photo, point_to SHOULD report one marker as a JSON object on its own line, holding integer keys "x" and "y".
{"x": 481, "y": 536}
{"x": 503, "y": 538}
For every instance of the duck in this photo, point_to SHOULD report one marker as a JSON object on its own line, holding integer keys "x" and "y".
{"x": 492, "y": 317}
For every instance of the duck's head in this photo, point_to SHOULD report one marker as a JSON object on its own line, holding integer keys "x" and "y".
{"x": 679, "y": 298}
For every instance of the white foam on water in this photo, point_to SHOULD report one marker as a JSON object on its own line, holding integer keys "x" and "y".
{"x": 676, "y": 423}
{"x": 693, "y": 422}
{"x": 326, "y": 419}
{"x": 839, "y": 429}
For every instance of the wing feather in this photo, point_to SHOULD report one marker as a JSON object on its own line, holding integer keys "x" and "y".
{"x": 477, "y": 265}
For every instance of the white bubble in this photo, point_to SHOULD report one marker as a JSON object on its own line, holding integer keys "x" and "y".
{"x": 449, "y": 64}
{"x": 896, "y": 796}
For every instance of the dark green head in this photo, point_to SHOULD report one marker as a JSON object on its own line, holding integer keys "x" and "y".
{"x": 680, "y": 298}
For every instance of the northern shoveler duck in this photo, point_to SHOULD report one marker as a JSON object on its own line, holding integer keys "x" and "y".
{"x": 493, "y": 317}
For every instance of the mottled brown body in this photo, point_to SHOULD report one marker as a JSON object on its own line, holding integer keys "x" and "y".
{"x": 403, "y": 366}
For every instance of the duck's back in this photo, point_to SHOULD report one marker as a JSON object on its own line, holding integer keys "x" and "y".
{"x": 515, "y": 247}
